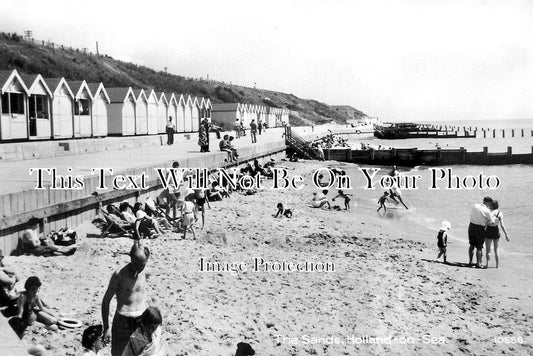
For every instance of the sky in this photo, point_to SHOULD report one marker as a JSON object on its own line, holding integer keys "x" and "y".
{"x": 400, "y": 60}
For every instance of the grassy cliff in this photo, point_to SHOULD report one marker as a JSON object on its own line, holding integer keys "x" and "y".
{"x": 74, "y": 64}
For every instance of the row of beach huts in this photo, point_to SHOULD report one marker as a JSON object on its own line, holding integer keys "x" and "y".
{"x": 37, "y": 108}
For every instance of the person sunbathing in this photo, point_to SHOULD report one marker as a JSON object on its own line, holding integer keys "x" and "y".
{"x": 143, "y": 211}
{"x": 116, "y": 217}
{"x": 138, "y": 210}
{"x": 31, "y": 308}
{"x": 214, "y": 193}
{"x": 8, "y": 280}
{"x": 141, "y": 226}
{"x": 31, "y": 242}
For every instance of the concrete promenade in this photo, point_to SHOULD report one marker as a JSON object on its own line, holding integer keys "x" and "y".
{"x": 15, "y": 176}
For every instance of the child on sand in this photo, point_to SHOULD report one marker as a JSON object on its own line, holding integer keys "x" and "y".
{"x": 283, "y": 212}
{"x": 188, "y": 215}
{"x": 442, "y": 239}
{"x": 382, "y": 200}
{"x": 346, "y": 199}
{"x": 32, "y": 308}
{"x": 147, "y": 340}
{"x": 91, "y": 340}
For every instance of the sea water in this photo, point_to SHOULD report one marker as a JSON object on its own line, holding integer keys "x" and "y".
{"x": 430, "y": 207}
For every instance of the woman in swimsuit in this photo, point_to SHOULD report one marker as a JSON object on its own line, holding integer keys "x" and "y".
{"x": 31, "y": 308}
{"x": 492, "y": 232}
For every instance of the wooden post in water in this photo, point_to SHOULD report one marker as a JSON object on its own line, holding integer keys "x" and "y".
{"x": 494, "y": 133}
{"x": 463, "y": 154}
{"x": 503, "y": 133}
{"x": 522, "y": 132}
{"x": 512, "y": 132}
{"x": 484, "y": 133}
{"x": 509, "y": 151}
{"x": 485, "y": 154}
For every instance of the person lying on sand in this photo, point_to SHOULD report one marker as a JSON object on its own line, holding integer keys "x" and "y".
{"x": 31, "y": 242}
{"x": 8, "y": 280}
{"x": 320, "y": 200}
{"x": 128, "y": 284}
{"x": 346, "y": 198}
{"x": 31, "y": 308}
{"x": 147, "y": 339}
{"x": 382, "y": 200}
{"x": 283, "y": 212}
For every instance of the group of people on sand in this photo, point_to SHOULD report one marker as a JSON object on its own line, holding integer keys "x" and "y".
{"x": 486, "y": 219}
{"x": 320, "y": 200}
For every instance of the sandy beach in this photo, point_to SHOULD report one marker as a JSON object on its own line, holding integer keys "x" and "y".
{"x": 387, "y": 295}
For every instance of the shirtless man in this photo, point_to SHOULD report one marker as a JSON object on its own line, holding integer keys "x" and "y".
{"x": 8, "y": 278}
{"x": 128, "y": 284}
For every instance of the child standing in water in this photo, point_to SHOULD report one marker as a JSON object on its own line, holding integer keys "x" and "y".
{"x": 346, "y": 199}
{"x": 382, "y": 200}
{"x": 442, "y": 239}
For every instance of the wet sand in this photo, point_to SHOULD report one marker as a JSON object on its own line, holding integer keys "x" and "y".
{"x": 386, "y": 285}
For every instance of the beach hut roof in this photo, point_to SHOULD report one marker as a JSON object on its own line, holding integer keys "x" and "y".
{"x": 97, "y": 88}
{"x": 7, "y": 76}
{"x": 161, "y": 97}
{"x": 171, "y": 97}
{"x": 208, "y": 104}
{"x": 189, "y": 101}
{"x": 54, "y": 83}
{"x": 120, "y": 95}
{"x": 78, "y": 86}
{"x": 195, "y": 101}
{"x": 139, "y": 94}
{"x": 181, "y": 100}
{"x": 33, "y": 80}
{"x": 150, "y": 95}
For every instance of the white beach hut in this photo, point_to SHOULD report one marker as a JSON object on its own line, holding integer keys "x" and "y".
{"x": 62, "y": 108}
{"x": 225, "y": 114}
{"x": 39, "y": 107}
{"x": 182, "y": 113}
{"x": 13, "y": 118}
{"x": 208, "y": 109}
{"x": 172, "y": 109}
{"x": 100, "y": 102}
{"x": 141, "y": 112}
{"x": 162, "y": 112}
{"x": 195, "y": 120}
{"x": 152, "y": 118}
{"x": 83, "y": 103}
{"x": 121, "y": 111}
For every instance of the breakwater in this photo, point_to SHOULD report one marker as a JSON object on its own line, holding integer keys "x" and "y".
{"x": 429, "y": 157}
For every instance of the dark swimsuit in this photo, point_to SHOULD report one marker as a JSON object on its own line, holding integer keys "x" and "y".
{"x": 493, "y": 232}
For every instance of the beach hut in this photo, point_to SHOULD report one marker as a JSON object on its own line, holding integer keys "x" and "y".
{"x": 208, "y": 108}
{"x": 39, "y": 107}
{"x": 100, "y": 102}
{"x": 202, "y": 109}
{"x": 195, "y": 119}
{"x": 183, "y": 113}
{"x": 83, "y": 103}
{"x": 162, "y": 112}
{"x": 141, "y": 112}
{"x": 121, "y": 111}
{"x": 152, "y": 117}
{"x": 172, "y": 109}
{"x": 271, "y": 118}
{"x": 13, "y": 118}
{"x": 285, "y": 116}
{"x": 225, "y": 114}
{"x": 62, "y": 108}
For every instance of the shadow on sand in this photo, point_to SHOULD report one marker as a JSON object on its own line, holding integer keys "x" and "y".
{"x": 452, "y": 264}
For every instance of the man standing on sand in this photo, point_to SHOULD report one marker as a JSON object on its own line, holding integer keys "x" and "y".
{"x": 129, "y": 285}
{"x": 479, "y": 217}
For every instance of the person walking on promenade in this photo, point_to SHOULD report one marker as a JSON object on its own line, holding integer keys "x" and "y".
{"x": 237, "y": 127}
{"x": 171, "y": 128}
{"x": 253, "y": 131}
{"x": 202, "y": 139}
{"x": 260, "y": 126}
{"x": 129, "y": 285}
{"x": 479, "y": 217}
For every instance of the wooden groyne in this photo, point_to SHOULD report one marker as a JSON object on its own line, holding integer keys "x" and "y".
{"x": 448, "y": 131}
{"x": 429, "y": 157}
